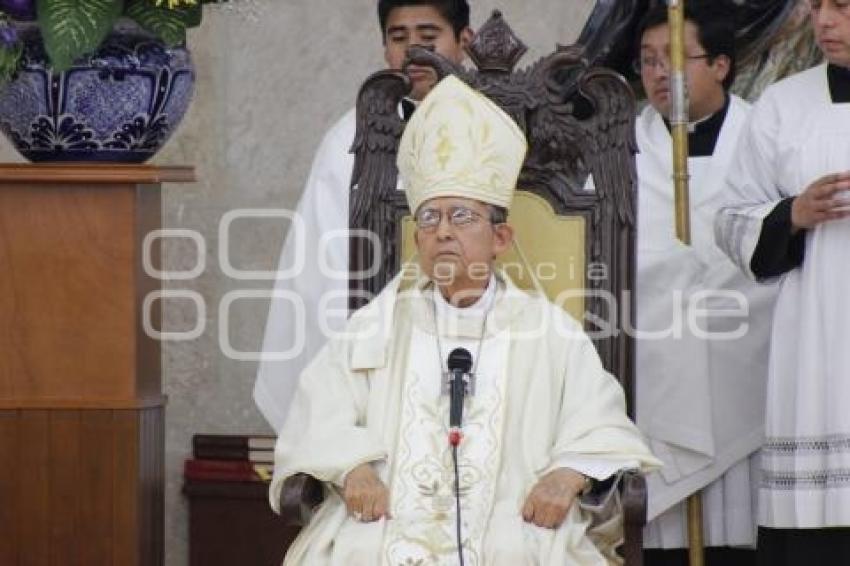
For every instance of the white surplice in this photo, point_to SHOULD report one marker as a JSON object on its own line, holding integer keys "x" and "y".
{"x": 320, "y": 287}
{"x": 795, "y": 136}
{"x": 700, "y": 400}
{"x": 542, "y": 401}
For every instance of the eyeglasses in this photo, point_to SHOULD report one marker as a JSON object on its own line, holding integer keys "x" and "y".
{"x": 653, "y": 61}
{"x": 459, "y": 217}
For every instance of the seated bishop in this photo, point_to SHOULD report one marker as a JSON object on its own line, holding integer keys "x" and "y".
{"x": 415, "y": 474}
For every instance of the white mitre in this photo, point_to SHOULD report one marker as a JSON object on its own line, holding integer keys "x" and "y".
{"x": 460, "y": 144}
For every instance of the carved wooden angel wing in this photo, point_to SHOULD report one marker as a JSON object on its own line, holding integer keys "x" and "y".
{"x": 379, "y": 128}
{"x": 556, "y": 133}
{"x": 610, "y": 143}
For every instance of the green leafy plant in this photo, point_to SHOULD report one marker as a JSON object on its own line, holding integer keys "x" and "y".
{"x": 74, "y": 28}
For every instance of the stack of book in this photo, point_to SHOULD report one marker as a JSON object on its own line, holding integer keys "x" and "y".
{"x": 230, "y": 457}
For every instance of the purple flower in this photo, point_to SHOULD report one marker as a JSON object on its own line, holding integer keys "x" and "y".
{"x": 8, "y": 36}
{"x": 21, "y": 10}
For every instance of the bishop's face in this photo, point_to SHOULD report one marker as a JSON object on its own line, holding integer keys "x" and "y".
{"x": 457, "y": 242}
{"x": 425, "y": 26}
{"x": 831, "y": 22}
{"x": 704, "y": 75}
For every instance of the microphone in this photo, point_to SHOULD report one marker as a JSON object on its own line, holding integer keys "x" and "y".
{"x": 459, "y": 364}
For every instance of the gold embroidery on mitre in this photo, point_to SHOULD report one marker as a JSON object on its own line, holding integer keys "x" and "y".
{"x": 459, "y": 143}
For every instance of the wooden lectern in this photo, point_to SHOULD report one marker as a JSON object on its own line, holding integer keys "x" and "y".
{"x": 81, "y": 403}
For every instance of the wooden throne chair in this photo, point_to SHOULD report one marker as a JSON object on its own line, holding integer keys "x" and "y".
{"x": 579, "y": 122}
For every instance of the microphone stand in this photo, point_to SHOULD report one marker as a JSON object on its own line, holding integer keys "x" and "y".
{"x": 459, "y": 364}
{"x": 457, "y": 504}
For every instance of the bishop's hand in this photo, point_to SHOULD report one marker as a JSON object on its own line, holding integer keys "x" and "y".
{"x": 366, "y": 497}
{"x": 550, "y": 499}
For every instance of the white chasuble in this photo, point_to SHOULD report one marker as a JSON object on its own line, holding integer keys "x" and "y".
{"x": 423, "y": 507}
{"x": 796, "y": 136}
{"x": 542, "y": 400}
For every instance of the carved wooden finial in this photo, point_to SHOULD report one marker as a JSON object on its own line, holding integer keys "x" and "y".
{"x": 495, "y": 46}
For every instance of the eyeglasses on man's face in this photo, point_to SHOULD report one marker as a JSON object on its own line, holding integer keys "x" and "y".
{"x": 652, "y": 62}
{"x": 458, "y": 216}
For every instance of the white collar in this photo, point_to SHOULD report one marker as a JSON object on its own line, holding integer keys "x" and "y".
{"x": 478, "y": 308}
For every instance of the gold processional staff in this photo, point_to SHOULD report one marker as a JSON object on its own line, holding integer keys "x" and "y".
{"x": 679, "y": 128}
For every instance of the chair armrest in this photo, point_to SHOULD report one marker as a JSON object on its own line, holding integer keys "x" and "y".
{"x": 633, "y": 498}
{"x": 299, "y": 495}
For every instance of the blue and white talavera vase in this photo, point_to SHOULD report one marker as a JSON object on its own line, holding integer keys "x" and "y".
{"x": 121, "y": 104}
